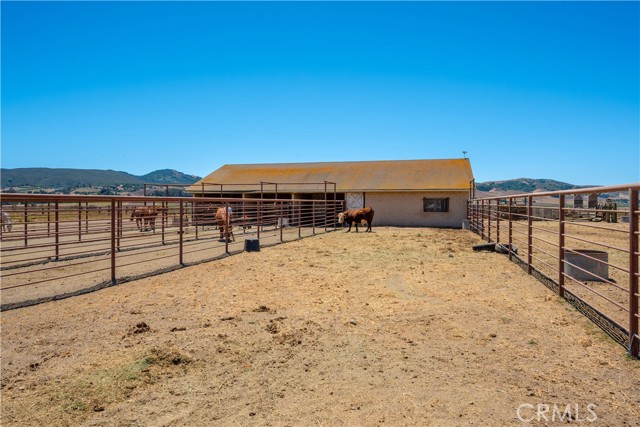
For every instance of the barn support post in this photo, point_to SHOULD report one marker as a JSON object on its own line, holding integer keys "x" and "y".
{"x": 561, "y": 233}
{"x": 56, "y": 217}
{"x": 180, "y": 233}
{"x": 529, "y": 233}
{"x": 113, "y": 241}
{"x": 634, "y": 249}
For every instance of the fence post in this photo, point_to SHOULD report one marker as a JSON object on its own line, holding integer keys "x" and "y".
{"x": 325, "y": 206}
{"x": 113, "y": 240}
{"x": 529, "y": 233}
{"x": 165, "y": 207}
{"x": 561, "y": 233}
{"x": 510, "y": 228}
{"x": 634, "y": 314}
{"x": 489, "y": 221}
{"x": 181, "y": 232}
{"x": 79, "y": 221}
{"x": 482, "y": 219}
{"x": 335, "y": 205}
{"x": 497, "y": 220}
{"x": 474, "y": 216}
{"x": 56, "y": 218}
{"x": 197, "y": 216}
{"x": 299, "y": 219}
{"x": 227, "y": 231}
{"x": 119, "y": 225}
{"x": 26, "y": 239}
{"x": 259, "y": 213}
{"x": 281, "y": 221}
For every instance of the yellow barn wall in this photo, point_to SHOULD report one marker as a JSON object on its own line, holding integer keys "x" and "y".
{"x": 406, "y": 209}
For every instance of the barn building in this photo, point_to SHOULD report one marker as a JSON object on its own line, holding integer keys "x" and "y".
{"x": 431, "y": 193}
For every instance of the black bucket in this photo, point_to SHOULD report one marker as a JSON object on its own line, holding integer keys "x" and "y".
{"x": 252, "y": 245}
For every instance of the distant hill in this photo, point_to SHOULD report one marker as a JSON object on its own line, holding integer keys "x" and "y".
{"x": 530, "y": 185}
{"x": 169, "y": 176}
{"x": 66, "y": 178}
{"x": 526, "y": 185}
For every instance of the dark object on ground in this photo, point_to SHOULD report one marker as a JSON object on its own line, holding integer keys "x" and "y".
{"x": 490, "y": 247}
{"x": 501, "y": 248}
{"x": 252, "y": 245}
{"x": 505, "y": 248}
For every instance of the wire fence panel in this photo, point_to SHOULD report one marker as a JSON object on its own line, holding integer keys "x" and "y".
{"x": 586, "y": 253}
{"x": 58, "y": 246}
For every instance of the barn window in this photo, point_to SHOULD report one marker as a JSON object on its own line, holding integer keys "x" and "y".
{"x": 436, "y": 205}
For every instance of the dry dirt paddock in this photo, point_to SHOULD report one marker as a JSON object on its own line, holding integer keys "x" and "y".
{"x": 399, "y": 327}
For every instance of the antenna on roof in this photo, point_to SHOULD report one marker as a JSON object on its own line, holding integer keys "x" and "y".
{"x": 464, "y": 153}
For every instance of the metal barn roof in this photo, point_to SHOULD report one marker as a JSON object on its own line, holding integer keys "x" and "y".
{"x": 366, "y": 176}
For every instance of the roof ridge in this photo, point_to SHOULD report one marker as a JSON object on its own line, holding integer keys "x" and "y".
{"x": 344, "y": 162}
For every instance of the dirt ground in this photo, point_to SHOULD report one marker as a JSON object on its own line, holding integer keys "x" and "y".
{"x": 398, "y": 327}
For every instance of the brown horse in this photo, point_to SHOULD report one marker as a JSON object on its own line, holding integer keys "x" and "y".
{"x": 145, "y": 217}
{"x": 224, "y": 224}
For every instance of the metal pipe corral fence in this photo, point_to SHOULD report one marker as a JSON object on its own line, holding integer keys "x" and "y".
{"x": 587, "y": 255}
{"x": 56, "y": 246}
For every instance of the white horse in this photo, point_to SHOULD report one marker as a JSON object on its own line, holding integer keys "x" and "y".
{"x": 5, "y": 219}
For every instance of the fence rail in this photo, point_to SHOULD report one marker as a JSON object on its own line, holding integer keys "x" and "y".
{"x": 54, "y": 246}
{"x": 586, "y": 254}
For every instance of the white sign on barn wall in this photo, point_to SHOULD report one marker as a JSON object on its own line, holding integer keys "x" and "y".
{"x": 354, "y": 200}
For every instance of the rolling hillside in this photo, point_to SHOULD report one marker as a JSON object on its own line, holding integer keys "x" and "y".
{"x": 526, "y": 185}
{"x": 74, "y": 178}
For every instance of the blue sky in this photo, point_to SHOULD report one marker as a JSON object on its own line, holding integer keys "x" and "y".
{"x": 528, "y": 89}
